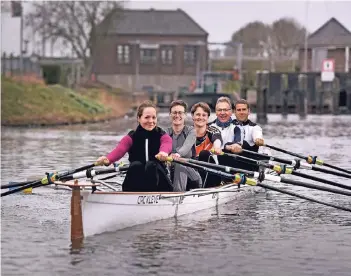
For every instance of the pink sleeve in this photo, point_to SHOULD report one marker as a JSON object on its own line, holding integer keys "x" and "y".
{"x": 121, "y": 149}
{"x": 166, "y": 143}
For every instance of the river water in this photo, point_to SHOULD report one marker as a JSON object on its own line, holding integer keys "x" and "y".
{"x": 264, "y": 234}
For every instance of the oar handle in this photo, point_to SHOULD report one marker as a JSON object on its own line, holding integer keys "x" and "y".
{"x": 248, "y": 160}
{"x": 221, "y": 167}
{"x": 237, "y": 178}
{"x": 195, "y": 166}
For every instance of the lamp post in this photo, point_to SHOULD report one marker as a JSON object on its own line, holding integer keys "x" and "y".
{"x": 305, "y": 67}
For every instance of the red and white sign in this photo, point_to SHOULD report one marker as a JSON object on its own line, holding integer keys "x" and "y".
{"x": 328, "y": 65}
{"x": 328, "y": 70}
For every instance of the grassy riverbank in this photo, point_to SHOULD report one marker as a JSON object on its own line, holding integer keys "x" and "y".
{"x": 33, "y": 104}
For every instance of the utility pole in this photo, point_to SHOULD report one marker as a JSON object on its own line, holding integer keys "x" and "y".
{"x": 305, "y": 65}
{"x": 17, "y": 11}
{"x": 305, "y": 69}
{"x": 43, "y": 41}
{"x": 21, "y": 42}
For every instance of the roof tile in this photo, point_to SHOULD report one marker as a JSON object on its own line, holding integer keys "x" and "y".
{"x": 156, "y": 22}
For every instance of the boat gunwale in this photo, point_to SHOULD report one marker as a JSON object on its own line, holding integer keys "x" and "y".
{"x": 209, "y": 190}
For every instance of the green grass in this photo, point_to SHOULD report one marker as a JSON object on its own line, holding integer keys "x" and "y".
{"x": 87, "y": 103}
{"x": 37, "y": 104}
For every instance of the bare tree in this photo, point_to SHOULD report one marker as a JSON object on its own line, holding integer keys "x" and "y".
{"x": 277, "y": 41}
{"x": 287, "y": 35}
{"x": 75, "y": 24}
{"x": 252, "y": 35}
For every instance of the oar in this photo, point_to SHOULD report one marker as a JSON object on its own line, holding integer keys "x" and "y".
{"x": 224, "y": 168}
{"x": 16, "y": 184}
{"x": 310, "y": 159}
{"x": 284, "y": 170}
{"x": 269, "y": 187}
{"x": 261, "y": 176}
{"x": 322, "y": 180}
{"x": 61, "y": 174}
{"x": 253, "y": 182}
{"x": 297, "y": 164}
{"x": 92, "y": 173}
{"x": 23, "y": 187}
{"x": 49, "y": 179}
{"x": 184, "y": 161}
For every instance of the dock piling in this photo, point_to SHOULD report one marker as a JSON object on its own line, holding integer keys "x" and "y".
{"x": 302, "y": 99}
{"x": 77, "y": 234}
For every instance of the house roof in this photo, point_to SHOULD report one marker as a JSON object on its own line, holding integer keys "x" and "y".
{"x": 331, "y": 33}
{"x": 155, "y": 22}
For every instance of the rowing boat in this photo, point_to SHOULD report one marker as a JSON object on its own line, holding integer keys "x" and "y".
{"x": 106, "y": 211}
{"x": 125, "y": 209}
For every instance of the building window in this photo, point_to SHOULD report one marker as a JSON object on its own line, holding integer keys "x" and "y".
{"x": 148, "y": 56}
{"x": 190, "y": 55}
{"x": 123, "y": 54}
{"x": 167, "y": 55}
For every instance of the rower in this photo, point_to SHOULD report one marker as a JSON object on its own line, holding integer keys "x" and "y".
{"x": 183, "y": 145}
{"x": 146, "y": 147}
{"x": 207, "y": 138}
{"x": 230, "y": 132}
{"x": 252, "y": 137}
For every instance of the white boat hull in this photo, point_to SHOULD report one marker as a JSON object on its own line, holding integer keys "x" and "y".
{"x": 111, "y": 211}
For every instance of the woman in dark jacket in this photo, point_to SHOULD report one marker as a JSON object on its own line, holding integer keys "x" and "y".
{"x": 148, "y": 147}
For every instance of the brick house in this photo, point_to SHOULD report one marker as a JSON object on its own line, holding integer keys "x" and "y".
{"x": 164, "y": 49}
{"x": 331, "y": 40}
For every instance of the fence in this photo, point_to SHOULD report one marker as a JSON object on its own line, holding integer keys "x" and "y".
{"x": 10, "y": 66}
{"x": 301, "y": 93}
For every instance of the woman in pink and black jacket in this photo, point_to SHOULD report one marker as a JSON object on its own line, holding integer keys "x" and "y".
{"x": 148, "y": 147}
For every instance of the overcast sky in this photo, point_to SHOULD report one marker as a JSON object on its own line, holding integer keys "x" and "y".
{"x": 219, "y": 18}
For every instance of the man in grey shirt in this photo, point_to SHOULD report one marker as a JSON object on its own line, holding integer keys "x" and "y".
{"x": 183, "y": 145}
